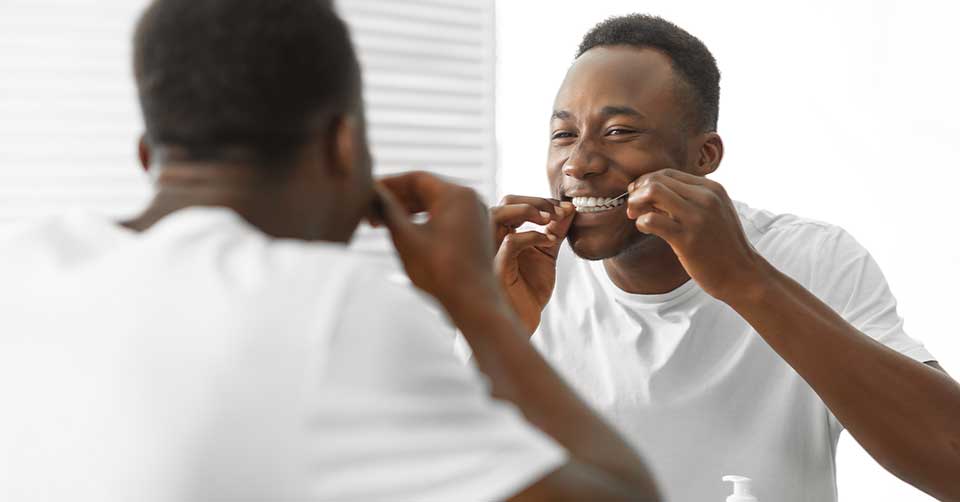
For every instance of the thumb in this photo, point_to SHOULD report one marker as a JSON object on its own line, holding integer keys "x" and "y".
{"x": 516, "y": 243}
{"x": 505, "y": 262}
{"x": 559, "y": 228}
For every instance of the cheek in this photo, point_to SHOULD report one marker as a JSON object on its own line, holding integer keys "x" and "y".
{"x": 554, "y": 176}
{"x": 635, "y": 162}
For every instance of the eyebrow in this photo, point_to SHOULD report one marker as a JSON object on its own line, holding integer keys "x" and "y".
{"x": 610, "y": 111}
{"x": 606, "y": 111}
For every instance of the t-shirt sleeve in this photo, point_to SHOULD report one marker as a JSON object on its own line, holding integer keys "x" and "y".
{"x": 402, "y": 418}
{"x": 848, "y": 279}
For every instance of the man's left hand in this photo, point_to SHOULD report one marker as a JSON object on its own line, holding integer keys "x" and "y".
{"x": 697, "y": 218}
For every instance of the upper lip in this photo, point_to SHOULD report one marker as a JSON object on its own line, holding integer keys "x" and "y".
{"x": 565, "y": 195}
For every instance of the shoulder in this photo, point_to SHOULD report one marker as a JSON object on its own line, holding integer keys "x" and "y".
{"x": 765, "y": 228}
{"x": 54, "y": 241}
{"x": 807, "y": 249}
{"x": 783, "y": 233}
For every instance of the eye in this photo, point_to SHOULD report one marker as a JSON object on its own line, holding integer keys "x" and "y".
{"x": 619, "y": 131}
{"x": 561, "y": 135}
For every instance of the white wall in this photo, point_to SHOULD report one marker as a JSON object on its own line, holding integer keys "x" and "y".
{"x": 841, "y": 111}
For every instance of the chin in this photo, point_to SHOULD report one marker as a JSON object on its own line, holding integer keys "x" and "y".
{"x": 594, "y": 249}
{"x": 601, "y": 247}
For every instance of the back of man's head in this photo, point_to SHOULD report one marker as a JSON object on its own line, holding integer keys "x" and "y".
{"x": 254, "y": 76}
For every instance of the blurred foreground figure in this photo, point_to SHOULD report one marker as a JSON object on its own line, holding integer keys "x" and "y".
{"x": 226, "y": 345}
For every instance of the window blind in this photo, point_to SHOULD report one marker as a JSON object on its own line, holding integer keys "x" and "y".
{"x": 69, "y": 119}
{"x": 68, "y": 113}
{"x": 428, "y": 69}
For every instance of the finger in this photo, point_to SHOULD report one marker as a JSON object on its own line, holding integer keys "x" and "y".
{"x": 396, "y": 218}
{"x": 696, "y": 194}
{"x": 691, "y": 179}
{"x": 516, "y": 243}
{"x": 505, "y": 262}
{"x": 658, "y": 224}
{"x": 656, "y": 196}
{"x": 416, "y": 191}
{"x": 506, "y": 219}
{"x": 548, "y": 205}
{"x": 712, "y": 190}
{"x": 514, "y": 215}
{"x": 696, "y": 189}
{"x": 455, "y": 180}
{"x": 559, "y": 228}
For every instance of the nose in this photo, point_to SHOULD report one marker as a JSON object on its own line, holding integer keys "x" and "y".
{"x": 584, "y": 161}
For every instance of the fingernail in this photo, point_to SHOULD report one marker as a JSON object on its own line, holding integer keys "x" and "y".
{"x": 551, "y": 237}
{"x": 545, "y": 214}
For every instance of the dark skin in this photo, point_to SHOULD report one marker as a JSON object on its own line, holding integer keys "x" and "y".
{"x": 324, "y": 190}
{"x": 620, "y": 124}
{"x": 322, "y": 193}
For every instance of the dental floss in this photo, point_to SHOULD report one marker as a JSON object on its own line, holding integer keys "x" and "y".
{"x": 578, "y": 208}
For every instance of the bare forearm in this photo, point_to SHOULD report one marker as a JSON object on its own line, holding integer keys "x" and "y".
{"x": 904, "y": 413}
{"x": 520, "y": 375}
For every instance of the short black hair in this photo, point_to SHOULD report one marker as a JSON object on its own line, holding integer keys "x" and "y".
{"x": 253, "y": 75}
{"x": 690, "y": 58}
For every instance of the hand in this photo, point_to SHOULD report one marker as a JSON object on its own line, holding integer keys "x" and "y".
{"x": 526, "y": 262}
{"x": 449, "y": 256}
{"x": 697, "y": 218}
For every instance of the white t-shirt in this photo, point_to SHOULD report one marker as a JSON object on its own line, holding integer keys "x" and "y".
{"x": 695, "y": 388}
{"x": 204, "y": 361}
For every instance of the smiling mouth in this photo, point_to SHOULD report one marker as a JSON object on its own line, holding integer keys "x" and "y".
{"x": 597, "y": 204}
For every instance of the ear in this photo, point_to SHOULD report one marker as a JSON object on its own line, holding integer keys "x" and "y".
{"x": 143, "y": 152}
{"x": 709, "y": 155}
{"x": 344, "y": 145}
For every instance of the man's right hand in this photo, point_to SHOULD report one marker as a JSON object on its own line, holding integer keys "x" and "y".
{"x": 526, "y": 262}
{"x": 449, "y": 255}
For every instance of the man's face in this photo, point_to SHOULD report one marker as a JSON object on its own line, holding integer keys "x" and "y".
{"x": 616, "y": 117}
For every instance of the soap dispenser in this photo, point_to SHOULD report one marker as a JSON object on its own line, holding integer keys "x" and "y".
{"x": 741, "y": 489}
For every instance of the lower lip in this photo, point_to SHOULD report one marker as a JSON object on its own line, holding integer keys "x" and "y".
{"x": 596, "y": 215}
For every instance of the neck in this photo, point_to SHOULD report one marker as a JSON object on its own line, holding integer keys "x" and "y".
{"x": 650, "y": 267}
{"x": 267, "y": 202}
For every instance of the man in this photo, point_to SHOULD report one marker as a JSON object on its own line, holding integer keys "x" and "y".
{"x": 719, "y": 338}
{"x": 225, "y": 345}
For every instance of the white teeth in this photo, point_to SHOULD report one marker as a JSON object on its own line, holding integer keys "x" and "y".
{"x": 595, "y": 204}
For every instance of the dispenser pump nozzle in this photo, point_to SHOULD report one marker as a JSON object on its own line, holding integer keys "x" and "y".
{"x": 741, "y": 489}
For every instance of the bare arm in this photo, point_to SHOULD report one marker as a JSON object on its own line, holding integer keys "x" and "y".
{"x": 451, "y": 257}
{"x": 905, "y": 414}
{"x": 520, "y": 375}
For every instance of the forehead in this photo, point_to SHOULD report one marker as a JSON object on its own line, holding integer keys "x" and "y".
{"x": 619, "y": 75}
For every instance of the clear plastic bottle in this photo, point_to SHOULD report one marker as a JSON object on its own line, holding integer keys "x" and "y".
{"x": 741, "y": 489}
